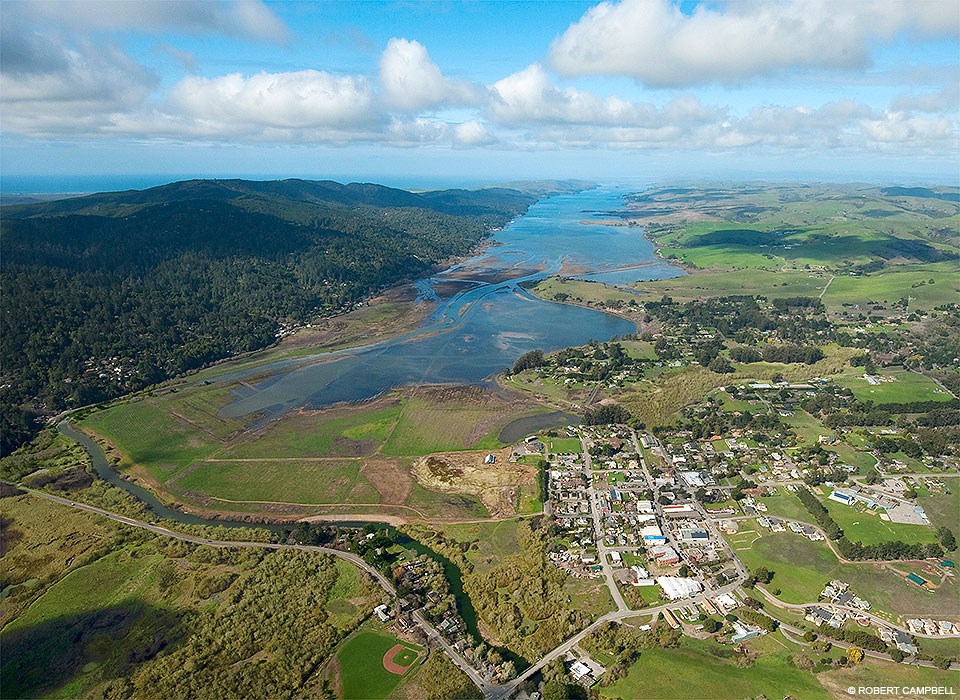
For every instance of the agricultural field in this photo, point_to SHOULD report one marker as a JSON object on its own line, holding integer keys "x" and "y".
{"x": 861, "y": 525}
{"x": 353, "y": 431}
{"x": 362, "y": 673}
{"x": 896, "y": 386}
{"x": 927, "y": 286}
{"x": 442, "y": 419}
{"x": 699, "y": 670}
{"x": 294, "y": 481}
{"x": 705, "y": 284}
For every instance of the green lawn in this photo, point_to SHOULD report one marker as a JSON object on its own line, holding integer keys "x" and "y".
{"x": 563, "y": 445}
{"x": 309, "y": 482}
{"x": 692, "y": 672}
{"x": 906, "y": 387}
{"x": 868, "y": 528}
{"x": 362, "y": 674}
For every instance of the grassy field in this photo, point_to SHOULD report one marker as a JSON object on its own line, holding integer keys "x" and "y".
{"x": 308, "y": 482}
{"x": 886, "y": 674}
{"x": 906, "y": 387}
{"x": 786, "y": 505}
{"x": 444, "y": 419}
{"x": 339, "y": 432}
{"x": 152, "y": 437}
{"x": 868, "y": 528}
{"x": 349, "y": 598}
{"x": 890, "y": 284}
{"x": 581, "y": 291}
{"x": 942, "y": 508}
{"x": 362, "y": 674}
{"x": 785, "y": 283}
{"x": 802, "y": 568}
{"x": 28, "y": 570}
{"x": 563, "y": 445}
{"x": 694, "y": 672}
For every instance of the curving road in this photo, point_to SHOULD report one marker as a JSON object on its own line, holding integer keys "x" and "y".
{"x": 354, "y": 559}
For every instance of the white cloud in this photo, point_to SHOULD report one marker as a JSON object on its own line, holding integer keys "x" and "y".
{"x": 900, "y": 128}
{"x": 303, "y": 99}
{"x": 654, "y": 42}
{"x": 246, "y": 18}
{"x": 472, "y": 133}
{"x": 529, "y": 97}
{"x": 412, "y": 81}
{"x": 50, "y": 88}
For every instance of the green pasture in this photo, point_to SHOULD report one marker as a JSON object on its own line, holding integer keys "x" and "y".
{"x": 698, "y": 670}
{"x": 770, "y": 284}
{"x": 581, "y": 290}
{"x": 425, "y": 426}
{"x": 801, "y": 569}
{"x": 905, "y": 387}
{"x": 149, "y": 435}
{"x": 891, "y": 284}
{"x": 339, "y": 432}
{"x": 362, "y": 674}
{"x": 296, "y": 481}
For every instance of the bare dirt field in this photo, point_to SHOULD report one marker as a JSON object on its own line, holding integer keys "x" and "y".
{"x": 495, "y": 484}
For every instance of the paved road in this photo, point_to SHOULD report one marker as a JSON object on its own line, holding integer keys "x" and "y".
{"x": 354, "y": 559}
{"x": 598, "y": 531}
{"x": 854, "y": 611}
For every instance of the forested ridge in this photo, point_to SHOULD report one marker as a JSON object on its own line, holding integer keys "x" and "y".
{"x": 106, "y": 294}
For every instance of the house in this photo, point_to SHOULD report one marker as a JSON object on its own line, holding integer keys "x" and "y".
{"x": 742, "y": 632}
{"x": 490, "y": 459}
{"x": 383, "y": 612}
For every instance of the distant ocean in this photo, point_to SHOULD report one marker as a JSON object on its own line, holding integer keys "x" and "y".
{"x": 82, "y": 184}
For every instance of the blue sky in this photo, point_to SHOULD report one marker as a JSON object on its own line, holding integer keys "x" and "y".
{"x": 475, "y": 92}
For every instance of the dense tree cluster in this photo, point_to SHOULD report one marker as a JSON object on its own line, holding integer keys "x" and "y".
{"x": 528, "y": 360}
{"x": 606, "y": 414}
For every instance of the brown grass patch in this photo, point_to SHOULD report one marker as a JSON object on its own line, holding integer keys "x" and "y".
{"x": 390, "y": 477}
